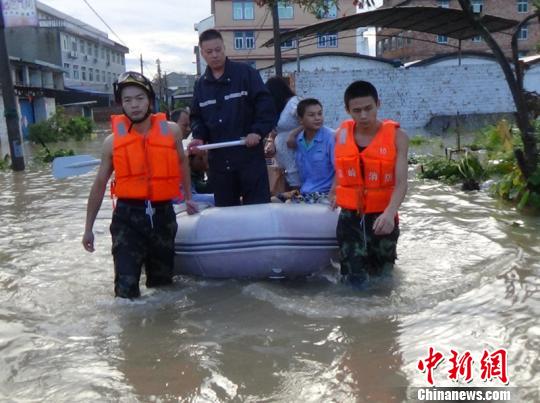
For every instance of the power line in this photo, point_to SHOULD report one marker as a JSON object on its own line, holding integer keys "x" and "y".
{"x": 103, "y": 21}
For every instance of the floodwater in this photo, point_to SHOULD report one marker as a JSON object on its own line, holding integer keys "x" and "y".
{"x": 467, "y": 280}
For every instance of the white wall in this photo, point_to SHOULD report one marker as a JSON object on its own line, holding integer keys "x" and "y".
{"x": 44, "y": 108}
{"x": 328, "y": 63}
{"x": 413, "y": 96}
{"x": 532, "y": 79}
{"x": 4, "y": 144}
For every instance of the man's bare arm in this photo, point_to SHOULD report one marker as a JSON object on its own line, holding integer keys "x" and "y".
{"x": 184, "y": 166}
{"x": 384, "y": 224}
{"x": 97, "y": 192}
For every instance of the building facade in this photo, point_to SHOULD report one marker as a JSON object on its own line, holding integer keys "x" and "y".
{"x": 89, "y": 59}
{"x": 410, "y": 45}
{"x": 61, "y": 60}
{"x": 245, "y": 27}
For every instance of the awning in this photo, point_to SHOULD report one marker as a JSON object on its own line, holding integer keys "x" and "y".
{"x": 435, "y": 20}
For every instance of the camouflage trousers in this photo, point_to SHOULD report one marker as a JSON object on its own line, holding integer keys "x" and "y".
{"x": 362, "y": 253}
{"x": 138, "y": 241}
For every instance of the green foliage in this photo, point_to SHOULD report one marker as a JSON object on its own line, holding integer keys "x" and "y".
{"x": 440, "y": 168}
{"x": 45, "y": 155}
{"x": 513, "y": 187}
{"x": 418, "y": 140}
{"x": 471, "y": 172}
{"x": 59, "y": 127}
{"x": 497, "y": 139}
{"x": 5, "y": 163}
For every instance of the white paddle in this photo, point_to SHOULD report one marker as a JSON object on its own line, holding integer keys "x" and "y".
{"x": 63, "y": 167}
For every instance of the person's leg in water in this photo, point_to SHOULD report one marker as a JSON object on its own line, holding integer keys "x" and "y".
{"x": 159, "y": 263}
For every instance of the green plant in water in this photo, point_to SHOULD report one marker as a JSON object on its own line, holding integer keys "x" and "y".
{"x": 513, "y": 187}
{"x": 5, "y": 163}
{"x": 45, "y": 155}
{"x": 59, "y": 127}
{"x": 471, "y": 172}
{"x": 440, "y": 168}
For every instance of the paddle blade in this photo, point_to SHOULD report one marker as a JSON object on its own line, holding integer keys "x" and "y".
{"x": 75, "y": 165}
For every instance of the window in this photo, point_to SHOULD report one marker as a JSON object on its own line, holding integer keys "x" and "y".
{"x": 90, "y": 74}
{"x": 442, "y": 39}
{"x": 243, "y": 10}
{"x": 523, "y": 33}
{"x": 74, "y": 46}
{"x": 66, "y": 70}
{"x": 523, "y": 6}
{"x": 65, "y": 44}
{"x": 444, "y": 3}
{"x": 400, "y": 41}
{"x": 244, "y": 40}
{"x": 83, "y": 73}
{"x": 75, "y": 72}
{"x": 285, "y": 10}
{"x": 95, "y": 51}
{"x": 97, "y": 75}
{"x": 109, "y": 78}
{"x": 103, "y": 76}
{"x": 477, "y": 5}
{"x": 331, "y": 13}
{"x": 290, "y": 44}
{"x": 328, "y": 40}
{"x": 477, "y": 38}
{"x": 103, "y": 53}
{"x": 83, "y": 47}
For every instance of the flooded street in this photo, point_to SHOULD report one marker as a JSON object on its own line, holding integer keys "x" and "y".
{"x": 467, "y": 279}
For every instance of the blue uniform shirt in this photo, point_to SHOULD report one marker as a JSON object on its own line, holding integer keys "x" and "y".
{"x": 315, "y": 161}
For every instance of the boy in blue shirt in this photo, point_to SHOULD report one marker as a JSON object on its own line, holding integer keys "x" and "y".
{"x": 314, "y": 153}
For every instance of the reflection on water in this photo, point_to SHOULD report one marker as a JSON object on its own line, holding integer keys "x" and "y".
{"x": 467, "y": 280}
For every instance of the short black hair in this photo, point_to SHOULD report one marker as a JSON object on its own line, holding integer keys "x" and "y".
{"x": 360, "y": 89}
{"x": 280, "y": 91}
{"x": 209, "y": 34}
{"x": 304, "y": 103}
{"x": 175, "y": 114}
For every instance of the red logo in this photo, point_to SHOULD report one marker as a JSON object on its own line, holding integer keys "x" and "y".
{"x": 492, "y": 366}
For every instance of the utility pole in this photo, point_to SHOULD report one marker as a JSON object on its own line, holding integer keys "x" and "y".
{"x": 166, "y": 87}
{"x": 159, "y": 81}
{"x": 142, "y": 70}
{"x": 277, "y": 40}
{"x": 10, "y": 104}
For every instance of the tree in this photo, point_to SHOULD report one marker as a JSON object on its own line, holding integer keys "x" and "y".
{"x": 527, "y": 158}
{"x": 313, "y": 6}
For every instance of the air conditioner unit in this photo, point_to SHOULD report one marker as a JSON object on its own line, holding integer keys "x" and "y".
{"x": 477, "y": 8}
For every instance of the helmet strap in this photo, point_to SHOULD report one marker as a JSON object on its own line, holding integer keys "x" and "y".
{"x": 139, "y": 120}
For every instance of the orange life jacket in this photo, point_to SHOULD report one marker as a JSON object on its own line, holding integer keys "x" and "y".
{"x": 146, "y": 167}
{"x": 365, "y": 180}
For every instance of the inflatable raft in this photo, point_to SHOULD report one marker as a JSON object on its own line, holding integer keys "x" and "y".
{"x": 258, "y": 241}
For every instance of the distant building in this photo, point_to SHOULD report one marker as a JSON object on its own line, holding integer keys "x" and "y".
{"x": 90, "y": 60}
{"x": 200, "y": 27}
{"x": 246, "y": 26}
{"x": 411, "y": 45}
{"x": 62, "y": 60}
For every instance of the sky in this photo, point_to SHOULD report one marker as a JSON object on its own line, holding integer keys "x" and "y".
{"x": 158, "y": 29}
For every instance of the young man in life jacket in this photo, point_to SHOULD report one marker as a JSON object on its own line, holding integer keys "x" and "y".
{"x": 146, "y": 154}
{"x": 370, "y": 185}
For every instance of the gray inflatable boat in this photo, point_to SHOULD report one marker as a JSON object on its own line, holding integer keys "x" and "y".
{"x": 256, "y": 241}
